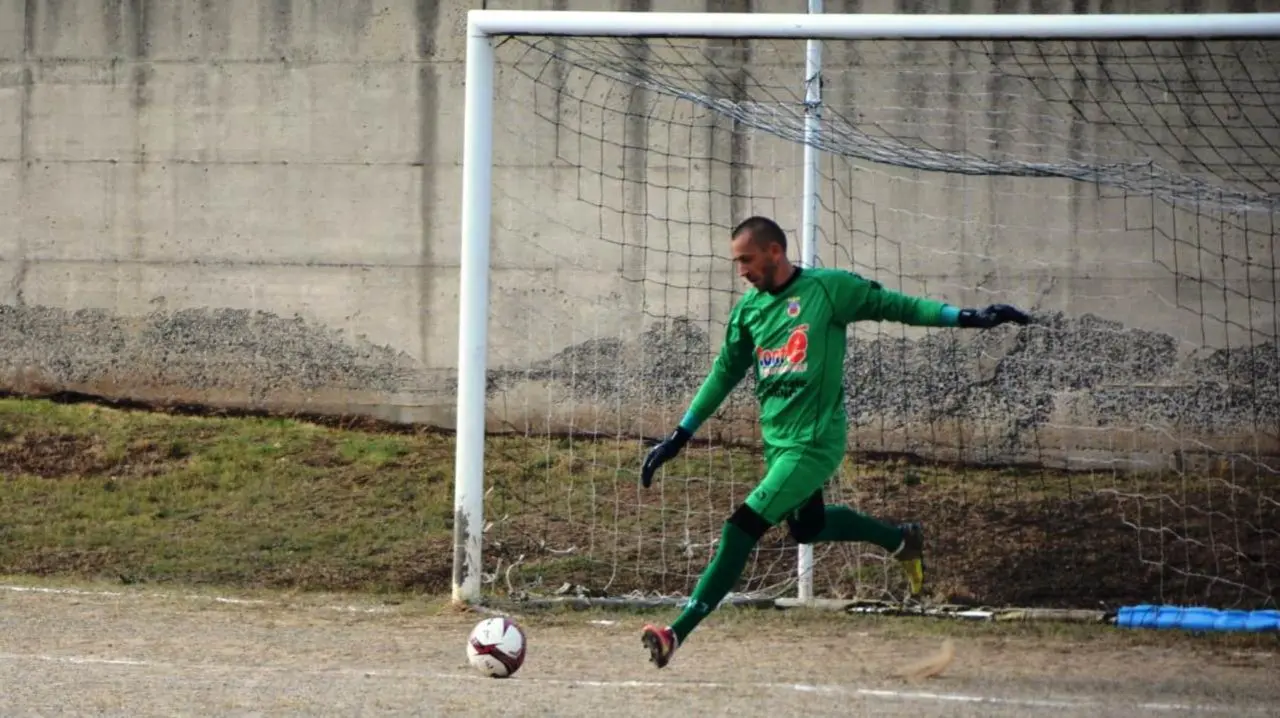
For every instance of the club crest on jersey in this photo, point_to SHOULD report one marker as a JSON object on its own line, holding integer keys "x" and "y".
{"x": 793, "y": 307}
{"x": 788, "y": 358}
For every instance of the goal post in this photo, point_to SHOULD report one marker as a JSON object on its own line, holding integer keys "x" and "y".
{"x": 810, "y": 197}
{"x": 1210, "y": 523}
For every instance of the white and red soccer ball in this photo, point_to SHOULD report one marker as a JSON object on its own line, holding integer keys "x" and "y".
{"x": 496, "y": 647}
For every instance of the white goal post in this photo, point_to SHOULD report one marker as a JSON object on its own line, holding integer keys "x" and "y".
{"x": 483, "y": 26}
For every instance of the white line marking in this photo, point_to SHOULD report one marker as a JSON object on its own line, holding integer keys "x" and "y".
{"x": 183, "y": 596}
{"x": 884, "y": 694}
{"x": 1071, "y": 704}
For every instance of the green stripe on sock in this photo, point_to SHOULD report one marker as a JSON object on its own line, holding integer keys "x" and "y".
{"x": 717, "y": 579}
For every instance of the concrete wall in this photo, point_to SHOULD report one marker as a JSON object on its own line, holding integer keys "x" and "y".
{"x": 255, "y": 203}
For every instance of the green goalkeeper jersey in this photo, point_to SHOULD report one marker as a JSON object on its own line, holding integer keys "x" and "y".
{"x": 796, "y": 340}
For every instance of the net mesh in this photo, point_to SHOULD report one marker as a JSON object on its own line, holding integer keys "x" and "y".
{"x": 1122, "y": 449}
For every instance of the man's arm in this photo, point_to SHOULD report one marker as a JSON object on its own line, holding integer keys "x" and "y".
{"x": 727, "y": 370}
{"x": 859, "y": 299}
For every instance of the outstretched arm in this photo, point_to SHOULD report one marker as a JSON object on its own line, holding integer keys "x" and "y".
{"x": 730, "y": 366}
{"x": 859, "y": 299}
{"x": 727, "y": 370}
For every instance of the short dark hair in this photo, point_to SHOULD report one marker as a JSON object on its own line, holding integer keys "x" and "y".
{"x": 763, "y": 230}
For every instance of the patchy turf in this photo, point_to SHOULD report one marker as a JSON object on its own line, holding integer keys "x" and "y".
{"x": 259, "y": 502}
{"x": 96, "y": 491}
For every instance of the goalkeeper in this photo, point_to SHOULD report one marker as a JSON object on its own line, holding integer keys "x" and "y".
{"x": 791, "y": 327}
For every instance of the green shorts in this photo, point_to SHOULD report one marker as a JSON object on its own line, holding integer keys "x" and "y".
{"x": 792, "y": 476}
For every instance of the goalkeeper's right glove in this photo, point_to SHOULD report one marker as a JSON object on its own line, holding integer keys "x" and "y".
{"x": 663, "y": 452}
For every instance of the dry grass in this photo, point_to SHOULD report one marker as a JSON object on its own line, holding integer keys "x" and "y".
{"x": 131, "y": 496}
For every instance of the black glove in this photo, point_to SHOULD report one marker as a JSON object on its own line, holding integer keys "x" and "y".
{"x": 992, "y": 316}
{"x": 662, "y": 452}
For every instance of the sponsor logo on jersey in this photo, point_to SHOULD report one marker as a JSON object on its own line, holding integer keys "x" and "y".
{"x": 788, "y": 358}
{"x": 782, "y": 387}
{"x": 793, "y": 307}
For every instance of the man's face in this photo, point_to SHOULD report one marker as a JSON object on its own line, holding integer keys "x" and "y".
{"x": 758, "y": 265}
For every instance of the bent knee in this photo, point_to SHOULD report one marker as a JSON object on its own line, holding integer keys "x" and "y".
{"x": 806, "y": 530}
{"x": 749, "y": 521}
{"x": 806, "y": 523}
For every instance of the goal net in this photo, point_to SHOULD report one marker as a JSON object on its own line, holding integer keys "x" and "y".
{"x": 1125, "y": 448}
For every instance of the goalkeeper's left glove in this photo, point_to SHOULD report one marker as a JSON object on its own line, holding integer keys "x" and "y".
{"x": 992, "y": 316}
{"x": 663, "y": 452}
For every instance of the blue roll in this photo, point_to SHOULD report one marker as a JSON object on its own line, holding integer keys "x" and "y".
{"x": 1196, "y": 618}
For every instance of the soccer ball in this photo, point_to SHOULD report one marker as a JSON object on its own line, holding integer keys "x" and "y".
{"x": 496, "y": 647}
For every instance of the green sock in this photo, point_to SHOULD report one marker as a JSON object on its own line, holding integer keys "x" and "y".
{"x": 844, "y": 524}
{"x": 719, "y": 576}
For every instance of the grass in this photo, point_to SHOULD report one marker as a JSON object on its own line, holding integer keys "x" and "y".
{"x": 129, "y": 496}
{"x": 96, "y": 491}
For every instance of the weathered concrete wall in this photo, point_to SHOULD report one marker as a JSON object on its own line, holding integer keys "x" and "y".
{"x": 224, "y": 202}
{"x": 255, "y": 203}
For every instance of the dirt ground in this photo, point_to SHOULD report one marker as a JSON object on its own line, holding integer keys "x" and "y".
{"x": 139, "y": 652}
